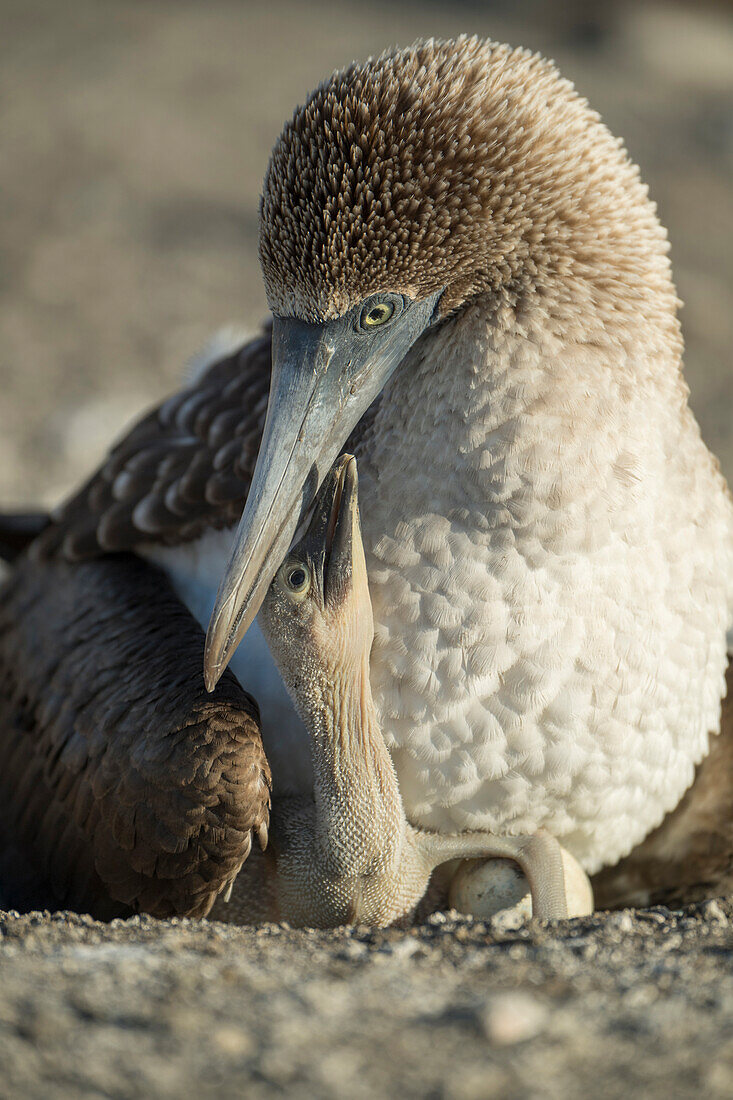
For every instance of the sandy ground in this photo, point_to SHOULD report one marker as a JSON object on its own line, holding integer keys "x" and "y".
{"x": 134, "y": 137}
{"x": 637, "y": 1005}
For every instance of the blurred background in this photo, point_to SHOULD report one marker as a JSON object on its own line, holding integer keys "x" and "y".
{"x": 134, "y": 135}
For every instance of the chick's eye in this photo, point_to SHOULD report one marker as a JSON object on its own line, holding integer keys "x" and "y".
{"x": 297, "y": 578}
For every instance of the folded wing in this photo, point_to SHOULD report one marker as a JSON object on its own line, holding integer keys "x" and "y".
{"x": 123, "y": 785}
{"x": 185, "y": 468}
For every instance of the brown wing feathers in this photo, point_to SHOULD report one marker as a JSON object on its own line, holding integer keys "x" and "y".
{"x": 124, "y": 786}
{"x": 184, "y": 469}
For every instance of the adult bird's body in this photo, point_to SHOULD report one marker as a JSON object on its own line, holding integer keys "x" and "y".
{"x": 124, "y": 786}
{"x": 549, "y": 543}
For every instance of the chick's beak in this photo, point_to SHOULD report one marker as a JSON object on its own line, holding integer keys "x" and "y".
{"x": 344, "y": 535}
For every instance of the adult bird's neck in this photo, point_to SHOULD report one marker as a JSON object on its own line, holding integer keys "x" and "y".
{"x": 509, "y": 417}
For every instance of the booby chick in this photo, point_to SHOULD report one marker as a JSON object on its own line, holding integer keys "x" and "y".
{"x": 465, "y": 272}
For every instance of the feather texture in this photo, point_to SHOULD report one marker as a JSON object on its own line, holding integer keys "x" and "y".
{"x": 689, "y": 857}
{"x": 184, "y": 469}
{"x": 549, "y": 543}
{"x": 123, "y": 786}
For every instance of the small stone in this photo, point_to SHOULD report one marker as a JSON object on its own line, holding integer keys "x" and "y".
{"x": 713, "y": 911}
{"x": 622, "y": 922}
{"x": 232, "y": 1041}
{"x": 352, "y": 950}
{"x": 658, "y": 915}
{"x": 403, "y": 949}
{"x": 511, "y": 1018}
{"x": 437, "y": 919}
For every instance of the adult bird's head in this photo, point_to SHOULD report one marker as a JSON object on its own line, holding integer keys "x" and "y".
{"x": 404, "y": 188}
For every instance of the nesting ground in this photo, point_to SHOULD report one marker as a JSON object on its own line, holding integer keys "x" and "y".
{"x": 610, "y": 1006}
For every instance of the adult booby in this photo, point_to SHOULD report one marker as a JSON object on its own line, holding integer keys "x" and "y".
{"x": 465, "y": 269}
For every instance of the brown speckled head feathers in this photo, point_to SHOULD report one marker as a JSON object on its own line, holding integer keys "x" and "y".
{"x": 465, "y": 165}
{"x": 461, "y": 164}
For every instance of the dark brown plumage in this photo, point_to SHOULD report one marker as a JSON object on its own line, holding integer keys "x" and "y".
{"x": 123, "y": 786}
{"x": 184, "y": 469}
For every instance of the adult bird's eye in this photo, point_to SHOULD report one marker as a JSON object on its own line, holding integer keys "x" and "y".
{"x": 377, "y": 315}
{"x": 379, "y": 312}
{"x": 297, "y": 579}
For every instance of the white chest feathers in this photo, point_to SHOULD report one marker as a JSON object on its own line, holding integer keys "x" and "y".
{"x": 550, "y": 554}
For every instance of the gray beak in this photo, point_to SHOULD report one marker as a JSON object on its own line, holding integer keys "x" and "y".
{"x": 324, "y": 378}
{"x": 343, "y": 530}
{"x": 329, "y": 538}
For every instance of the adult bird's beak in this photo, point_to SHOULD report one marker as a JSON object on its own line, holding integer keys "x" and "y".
{"x": 324, "y": 378}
